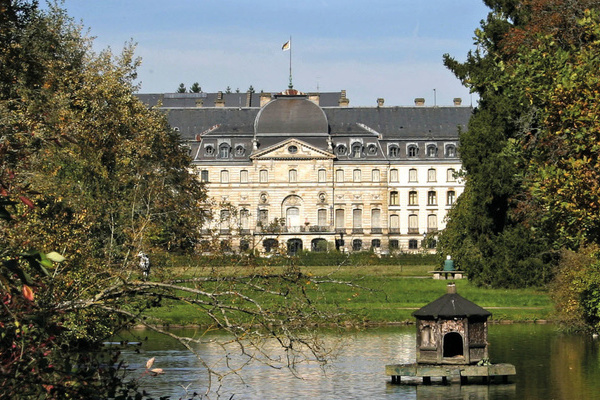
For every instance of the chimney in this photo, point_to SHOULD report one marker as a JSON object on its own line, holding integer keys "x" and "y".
{"x": 220, "y": 101}
{"x": 457, "y": 101}
{"x": 419, "y": 101}
{"x": 264, "y": 98}
{"x": 249, "y": 98}
{"x": 380, "y": 102}
{"x": 451, "y": 288}
{"x": 343, "y": 101}
{"x": 314, "y": 97}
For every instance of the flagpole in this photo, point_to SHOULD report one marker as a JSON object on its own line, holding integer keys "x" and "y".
{"x": 291, "y": 86}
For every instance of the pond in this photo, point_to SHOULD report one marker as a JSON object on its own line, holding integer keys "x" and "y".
{"x": 550, "y": 365}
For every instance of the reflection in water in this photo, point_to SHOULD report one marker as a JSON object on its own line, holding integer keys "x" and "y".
{"x": 549, "y": 365}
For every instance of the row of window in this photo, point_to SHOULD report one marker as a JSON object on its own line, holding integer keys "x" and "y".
{"x": 413, "y": 198}
{"x": 357, "y": 150}
{"x": 263, "y": 175}
{"x": 292, "y": 220}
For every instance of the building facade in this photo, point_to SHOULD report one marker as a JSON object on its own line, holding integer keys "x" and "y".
{"x": 307, "y": 171}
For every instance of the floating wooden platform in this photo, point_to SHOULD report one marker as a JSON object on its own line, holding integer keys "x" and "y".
{"x": 452, "y": 373}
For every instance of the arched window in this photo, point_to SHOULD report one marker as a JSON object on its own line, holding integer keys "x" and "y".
{"x": 318, "y": 245}
{"x": 356, "y": 175}
{"x": 244, "y": 219}
{"x": 357, "y": 245}
{"x": 357, "y": 220}
{"x": 375, "y": 243}
{"x": 394, "y": 244}
{"x": 375, "y": 218}
{"x": 431, "y": 223}
{"x": 340, "y": 222}
{"x": 394, "y": 151}
{"x": 339, "y": 175}
{"x": 453, "y": 345}
{"x": 393, "y": 175}
{"x": 204, "y": 175}
{"x": 270, "y": 245}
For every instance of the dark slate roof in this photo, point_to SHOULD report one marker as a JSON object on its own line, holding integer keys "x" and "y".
{"x": 222, "y": 121}
{"x": 400, "y": 122}
{"x": 451, "y": 305}
{"x": 291, "y": 115}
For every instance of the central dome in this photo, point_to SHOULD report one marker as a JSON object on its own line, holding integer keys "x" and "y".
{"x": 295, "y": 115}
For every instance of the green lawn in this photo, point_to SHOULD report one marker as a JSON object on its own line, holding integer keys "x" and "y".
{"x": 381, "y": 295}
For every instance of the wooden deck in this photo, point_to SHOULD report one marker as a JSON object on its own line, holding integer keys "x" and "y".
{"x": 451, "y": 373}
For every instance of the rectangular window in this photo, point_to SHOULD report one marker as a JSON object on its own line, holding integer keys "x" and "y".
{"x": 412, "y": 175}
{"x": 431, "y": 198}
{"x": 293, "y": 174}
{"x": 244, "y": 219}
{"x": 394, "y": 223}
{"x": 244, "y": 176}
{"x": 264, "y": 175}
{"x": 431, "y": 175}
{"x": 431, "y": 223}
{"x": 356, "y": 175}
{"x": 394, "y": 201}
{"x": 413, "y": 198}
{"x": 451, "y": 175}
{"x": 339, "y": 175}
{"x": 339, "y": 219}
{"x": 263, "y": 217}
{"x": 375, "y": 218}
{"x": 375, "y": 175}
{"x": 357, "y": 218}
{"x": 204, "y": 175}
{"x": 322, "y": 175}
{"x": 393, "y": 175}
{"x": 322, "y": 217}
{"x": 451, "y": 197}
{"x": 224, "y": 176}
{"x": 413, "y": 223}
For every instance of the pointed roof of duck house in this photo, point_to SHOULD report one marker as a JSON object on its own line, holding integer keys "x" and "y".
{"x": 451, "y": 305}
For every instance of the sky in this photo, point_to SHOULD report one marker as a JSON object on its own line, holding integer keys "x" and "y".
{"x": 389, "y": 49}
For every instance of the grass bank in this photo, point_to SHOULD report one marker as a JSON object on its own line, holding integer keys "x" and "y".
{"x": 380, "y": 294}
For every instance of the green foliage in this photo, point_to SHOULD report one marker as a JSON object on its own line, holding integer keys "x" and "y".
{"x": 181, "y": 88}
{"x": 576, "y": 290}
{"x": 531, "y": 184}
{"x": 195, "y": 88}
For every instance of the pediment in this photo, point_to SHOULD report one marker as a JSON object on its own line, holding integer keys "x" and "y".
{"x": 292, "y": 149}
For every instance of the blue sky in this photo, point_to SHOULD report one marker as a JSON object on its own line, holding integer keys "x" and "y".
{"x": 391, "y": 49}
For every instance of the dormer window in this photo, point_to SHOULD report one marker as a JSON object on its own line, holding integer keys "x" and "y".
{"x": 240, "y": 151}
{"x": 341, "y": 150}
{"x": 224, "y": 151}
{"x": 412, "y": 151}
{"x": 394, "y": 151}
{"x": 450, "y": 150}
{"x": 210, "y": 150}
{"x": 356, "y": 150}
{"x": 431, "y": 151}
{"x": 371, "y": 149}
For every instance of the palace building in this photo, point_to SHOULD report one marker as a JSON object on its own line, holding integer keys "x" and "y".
{"x": 308, "y": 171}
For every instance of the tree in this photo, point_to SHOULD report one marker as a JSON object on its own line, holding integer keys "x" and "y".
{"x": 195, "y": 88}
{"x": 89, "y": 176}
{"x": 495, "y": 216}
{"x": 181, "y": 88}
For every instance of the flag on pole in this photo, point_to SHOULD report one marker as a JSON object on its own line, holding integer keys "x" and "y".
{"x": 286, "y": 46}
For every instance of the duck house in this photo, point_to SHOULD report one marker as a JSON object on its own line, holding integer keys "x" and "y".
{"x": 451, "y": 343}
